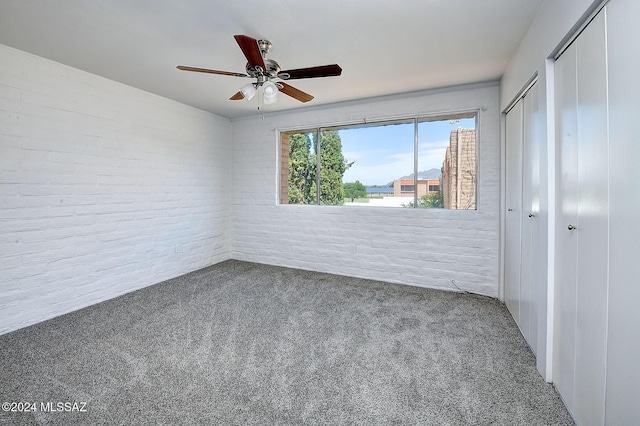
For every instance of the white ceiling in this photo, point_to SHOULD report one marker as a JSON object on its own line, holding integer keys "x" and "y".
{"x": 383, "y": 46}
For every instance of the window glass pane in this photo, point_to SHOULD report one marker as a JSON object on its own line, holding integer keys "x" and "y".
{"x": 332, "y": 167}
{"x": 378, "y": 159}
{"x": 373, "y": 164}
{"x": 298, "y": 168}
{"x": 447, "y": 162}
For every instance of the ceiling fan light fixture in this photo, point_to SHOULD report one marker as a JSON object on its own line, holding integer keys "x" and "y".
{"x": 270, "y": 92}
{"x": 248, "y": 91}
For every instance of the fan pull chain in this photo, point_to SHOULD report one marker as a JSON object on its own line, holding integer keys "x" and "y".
{"x": 260, "y": 98}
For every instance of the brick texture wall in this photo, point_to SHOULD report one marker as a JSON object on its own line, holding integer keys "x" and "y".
{"x": 103, "y": 189}
{"x": 433, "y": 248}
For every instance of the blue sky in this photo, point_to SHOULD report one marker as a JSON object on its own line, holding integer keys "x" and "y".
{"x": 385, "y": 153}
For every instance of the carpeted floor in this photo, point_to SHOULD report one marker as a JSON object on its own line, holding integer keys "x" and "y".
{"x": 241, "y": 343}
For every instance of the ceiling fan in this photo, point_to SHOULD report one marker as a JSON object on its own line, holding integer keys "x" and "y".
{"x": 265, "y": 70}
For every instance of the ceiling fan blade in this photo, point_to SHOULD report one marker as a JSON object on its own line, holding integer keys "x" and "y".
{"x": 293, "y": 92}
{"x": 233, "y": 74}
{"x": 333, "y": 70}
{"x": 238, "y": 96}
{"x": 251, "y": 50}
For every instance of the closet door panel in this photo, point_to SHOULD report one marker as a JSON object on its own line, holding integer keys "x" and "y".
{"x": 513, "y": 216}
{"x": 567, "y": 213}
{"x": 592, "y": 232}
{"x": 530, "y": 193}
{"x": 623, "y": 366}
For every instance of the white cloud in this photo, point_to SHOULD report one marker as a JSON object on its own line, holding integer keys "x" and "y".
{"x": 430, "y": 156}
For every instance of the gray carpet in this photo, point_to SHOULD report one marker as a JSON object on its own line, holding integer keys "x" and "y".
{"x": 241, "y": 343}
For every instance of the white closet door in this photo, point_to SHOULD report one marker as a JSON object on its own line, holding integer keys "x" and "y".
{"x": 623, "y": 339}
{"x": 530, "y": 268}
{"x": 564, "y": 336}
{"x": 522, "y": 200}
{"x": 513, "y": 217}
{"x": 582, "y": 225}
{"x": 592, "y": 232}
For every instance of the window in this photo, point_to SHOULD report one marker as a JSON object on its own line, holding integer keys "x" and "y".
{"x": 427, "y": 162}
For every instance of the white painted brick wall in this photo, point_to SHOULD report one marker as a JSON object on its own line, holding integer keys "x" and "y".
{"x": 429, "y": 248}
{"x": 103, "y": 189}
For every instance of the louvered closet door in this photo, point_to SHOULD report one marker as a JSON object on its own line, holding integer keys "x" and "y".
{"x": 582, "y": 225}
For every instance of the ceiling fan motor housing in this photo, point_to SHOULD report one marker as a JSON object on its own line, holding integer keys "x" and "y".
{"x": 273, "y": 68}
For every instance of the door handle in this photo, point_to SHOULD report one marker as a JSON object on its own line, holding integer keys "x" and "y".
{"x": 571, "y": 227}
{"x": 531, "y": 215}
{"x": 509, "y": 210}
